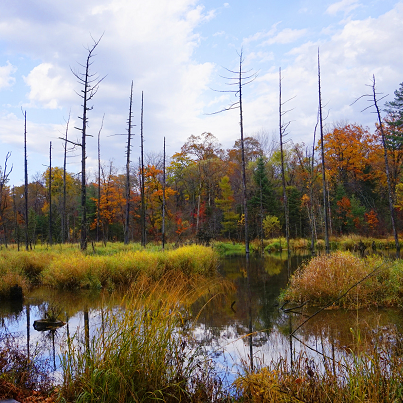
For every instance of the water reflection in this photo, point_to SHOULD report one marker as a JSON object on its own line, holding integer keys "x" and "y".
{"x": 244, "y": 327}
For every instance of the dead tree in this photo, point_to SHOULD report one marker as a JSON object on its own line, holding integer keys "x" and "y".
{"x": 325, "y": 199}
{"x": 26, "y": 182}
{"x": 311, "y": 182}
{"x": 63, "y": 215}
{"x": 142, "y": 191}
{"x": 240, "y": 79}
{"x": 128, "y": 149}
{"x": 90, "y": 83}
{"x": 163, "y": 201}
{"x": 374, "y": 103}
{"x": 283, "y": 132}
{"x": 50, "y": 194}
{"x": 99, "y": 178}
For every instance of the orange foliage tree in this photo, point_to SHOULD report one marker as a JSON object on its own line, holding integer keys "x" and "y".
{"x": 153, "y": 197}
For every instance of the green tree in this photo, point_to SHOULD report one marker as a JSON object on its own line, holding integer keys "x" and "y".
{"x": 394, "y": 119}
{"x": 264, "y": 199}
{"x": 271, "y": 224}
{"x": 225, "y": 204}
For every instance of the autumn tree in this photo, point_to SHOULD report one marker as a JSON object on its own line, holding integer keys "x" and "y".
{"x": 5, "y": 199}
{"x": 154, "y": 199}
{"x": 111, "y": 205}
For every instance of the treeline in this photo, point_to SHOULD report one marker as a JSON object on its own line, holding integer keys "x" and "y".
{"x": 203, "y": 192}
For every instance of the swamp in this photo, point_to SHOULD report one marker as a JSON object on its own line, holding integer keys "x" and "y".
{"x": 188, "y": 333}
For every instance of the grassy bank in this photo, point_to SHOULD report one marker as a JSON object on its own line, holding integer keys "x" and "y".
{"x": 70, "y": 268}
{"x": 348, "y": 281}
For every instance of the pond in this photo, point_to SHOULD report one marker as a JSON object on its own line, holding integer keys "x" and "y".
{"x": 244, "y": 328}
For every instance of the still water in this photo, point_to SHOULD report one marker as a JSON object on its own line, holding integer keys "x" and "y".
{"x": 246, "y": 327}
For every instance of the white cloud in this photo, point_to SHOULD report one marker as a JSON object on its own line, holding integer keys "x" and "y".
{"x": 345, "y": 6}
{"x": 6, "y": 79}
{"x": 48, "y": 86}
{"x": 287, "y": 36}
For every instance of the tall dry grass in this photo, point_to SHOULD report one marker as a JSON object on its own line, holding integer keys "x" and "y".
{"x": 326, "y": 278}
{"x": 143, "y": 352}
{"x": 375, "y": 377}
{"x": 69, "y": 268}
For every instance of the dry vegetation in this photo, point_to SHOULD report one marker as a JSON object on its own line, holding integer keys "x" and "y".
{"x": 325, "y": 279}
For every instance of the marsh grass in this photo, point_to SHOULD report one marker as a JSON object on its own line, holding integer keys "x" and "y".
{"x": 375, "y": 376}
{"x": 143, "y": 351}
{"x": 227, "y": 249}
{"x": 326, "y": 278}
{"x": 69, "y": 268}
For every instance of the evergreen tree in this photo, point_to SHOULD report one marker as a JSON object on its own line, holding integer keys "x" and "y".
{"x": 230, "y": 218}
{"x": 395, "y": 120}
{"x": 264, "y": 200}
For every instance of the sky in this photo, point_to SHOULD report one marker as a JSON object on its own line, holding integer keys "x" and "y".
{"x": 177, "y": 53}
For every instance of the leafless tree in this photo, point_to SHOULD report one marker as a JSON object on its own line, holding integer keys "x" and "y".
{"x": 239, "y": 79}
{"x": 373, "y": 99}
{"x": 142, "y": 191}
{"x": 90, "y": 83}
{"x": 163, "y": 201}
{"x": 325, "y": 198}
{"x": 283, "y": 126}
{"x": 50, "y": 193}
{"x": 128, "y": 149}
{"x": 26, "y": 181}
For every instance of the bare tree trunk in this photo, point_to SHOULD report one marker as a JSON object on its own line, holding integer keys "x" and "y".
{"x": 163, "y": 202}
{"x": 390, "y": 192}
{"x": 311, "y": 208}
{"x": 245, "y": 200}
{"x": 26, "y": 182}
{"x": 50, "y": 194}
{"x": 261, "y": 218}
{"x": 91, "y": 84}
{"x": 129, "y": 136}
{"x": 285, "y": 199}
{"x": 143, "y": 204}
{"x": 64, "y": 184}
{"x": 239, "y": 80}
{"x": 325, "y": 200}
{"x": 99, "y": 184}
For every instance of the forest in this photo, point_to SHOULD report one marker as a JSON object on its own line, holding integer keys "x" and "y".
{"x": 347, "y": 181}
{"x": 203, "y": 192}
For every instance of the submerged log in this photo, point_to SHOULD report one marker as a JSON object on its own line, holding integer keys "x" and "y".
{"x": 46, "y": 324}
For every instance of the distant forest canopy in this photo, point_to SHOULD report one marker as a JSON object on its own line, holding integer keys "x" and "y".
{"x": 203, "y": 191}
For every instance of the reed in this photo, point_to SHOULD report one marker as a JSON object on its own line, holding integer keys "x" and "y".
{"x": 144, "y": 350}
{"x": 375, "y": 378}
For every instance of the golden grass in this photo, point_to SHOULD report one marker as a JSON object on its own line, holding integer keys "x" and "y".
{"x": 376, "y": 377}
{"x": 325, "y": 278}
{"x": 70, "y": 268}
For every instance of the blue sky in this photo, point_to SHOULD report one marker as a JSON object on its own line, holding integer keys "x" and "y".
{"x": 175, "y": 51}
